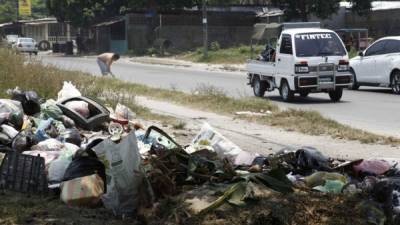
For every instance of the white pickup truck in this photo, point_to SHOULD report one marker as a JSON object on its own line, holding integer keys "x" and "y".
{"x": 306, "y": 60}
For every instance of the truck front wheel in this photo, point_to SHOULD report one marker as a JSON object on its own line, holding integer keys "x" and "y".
{"x": 336, "y": 95}
{"x": 259, "y": 87}
{"x": 285, "y": 92}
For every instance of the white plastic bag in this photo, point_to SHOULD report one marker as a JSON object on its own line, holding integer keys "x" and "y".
{"x": 222, "y": 146}
{"x": 10, "y": 106}
{"x": 122, "y": 112}
{"x": 57, "y": 169}
{"x": 124, "y": 174}
{"x": 50, "y": 144}
{"x": 68, "y": 91}
{"x": 80, "y": 107}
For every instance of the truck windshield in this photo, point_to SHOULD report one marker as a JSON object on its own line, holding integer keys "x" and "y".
{"x": 318, "y": 44}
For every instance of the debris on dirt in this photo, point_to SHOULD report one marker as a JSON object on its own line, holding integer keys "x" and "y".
{"x": 94, "y": 158}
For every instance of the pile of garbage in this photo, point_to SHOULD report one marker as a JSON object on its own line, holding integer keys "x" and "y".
{"x": 94, "y": 156}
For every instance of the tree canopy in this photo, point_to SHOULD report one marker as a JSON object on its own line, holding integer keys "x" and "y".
{"x": 8, "y": 10}
{"x": 302, "y": 9}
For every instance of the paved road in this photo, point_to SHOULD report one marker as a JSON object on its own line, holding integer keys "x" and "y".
{"x": 372, "y": 109}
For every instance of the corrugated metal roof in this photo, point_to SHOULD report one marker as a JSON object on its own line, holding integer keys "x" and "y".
{"x": 110, "y": 22}
{"x": 377, "y": 5}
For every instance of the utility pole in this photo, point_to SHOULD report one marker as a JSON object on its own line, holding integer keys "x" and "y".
{"x": 205, "y": 30}
{"x": 16, "y": 10}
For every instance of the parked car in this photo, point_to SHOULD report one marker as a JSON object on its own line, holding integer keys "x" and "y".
{"x": 11, "y": 39}
{"x": 378, "y": 65}
{"x": 26, "y": 45}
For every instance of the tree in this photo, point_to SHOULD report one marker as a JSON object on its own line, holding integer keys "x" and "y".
{"x": 8, "y": 10}
{"x": 302, "y": 9}
{"x": 85, "y": 12}
{"x": 361, "y": 7}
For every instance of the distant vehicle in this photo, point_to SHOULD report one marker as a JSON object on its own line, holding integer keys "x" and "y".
{"x": 26, "y": 45}
{"x": 378, "y": 65}
{"x": 306, "y": 60}
{"x": 11, "y": 39}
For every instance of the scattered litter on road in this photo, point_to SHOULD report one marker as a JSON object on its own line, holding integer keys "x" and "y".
{"x": 248, "y": 113}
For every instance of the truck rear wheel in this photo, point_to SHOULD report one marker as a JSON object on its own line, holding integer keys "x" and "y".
{"x": 285, "y": 92}
{"x": 259, "y": 87}
{"x": 336, "y": 95}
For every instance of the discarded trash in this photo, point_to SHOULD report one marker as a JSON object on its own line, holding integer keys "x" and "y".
{"x": 331, "y": 186}
{"x": 72, "y": 136}
{"x": 29, "y": 100}
{"x": 320, "y": 178}
{"x": 248, "y": 113}
{"x": 10, "y": 106}
{"x": 98, "y": 114}
{"x": 371, "y": 167}
{"x": 222, "y": 146}
{"x": 96, "y": 157}
{"x": 311, "y": 159}
{"x": 68, "y": 91}
{"x": 80, "y": 107}
{"x": 124, "y": 175}
{"x": 85, "y": 163}
{"x": 23, "y": 173}
{"x": 49, "y": 109}
{"x": 122, "y": 114}
{"x": 82, "y": 191}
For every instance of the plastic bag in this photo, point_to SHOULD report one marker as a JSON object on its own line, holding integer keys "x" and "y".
{"x": 29, "y": 100}
{"x": 122, "y": 113}
{"x": 49, "y": 145}
{"x": 68, "y": 91}
{"x": 372, "y": 167}
{"x": 10, "y": 106}
{"x": 331, "y": 186}
{"x": 57, "y": 170}
{"x": 85, "y": 163}
{"x": 50, "y": 109}
{"x": 23, "y": 141}
{"x": 80, "y": 107}
{"x": 319, "y": 178}
{"x": 124, "y": 174}
{"x": 309, "y": 158}
{"x": 71, "y": 136}
{"x": 222, "y": 146}
{"x": 7, "y": 134}
{"x": 41, "y": 132}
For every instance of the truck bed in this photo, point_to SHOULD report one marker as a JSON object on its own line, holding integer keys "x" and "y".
{"x": 261, "y": 67}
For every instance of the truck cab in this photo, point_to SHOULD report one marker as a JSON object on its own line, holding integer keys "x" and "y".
{"x": 305, "y": 60}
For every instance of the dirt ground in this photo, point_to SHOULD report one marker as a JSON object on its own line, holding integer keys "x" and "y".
{"x": 292, "y": 209}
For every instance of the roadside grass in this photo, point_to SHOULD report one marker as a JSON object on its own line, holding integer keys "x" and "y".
{"x": 217, "y": 55}
{"x": 47, "y": 81}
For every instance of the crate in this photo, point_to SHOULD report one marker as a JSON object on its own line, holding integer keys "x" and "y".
{"x": 23, "y": 173}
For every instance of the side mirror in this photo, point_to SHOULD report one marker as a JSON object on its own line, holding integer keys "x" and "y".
{"x": 361, "y": 53}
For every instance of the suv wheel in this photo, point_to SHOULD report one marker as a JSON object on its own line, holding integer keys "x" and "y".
{"x": 259, "y": 87}
{"x": 395, "y": 82}
{"x": 336, "y": 95}
{"x": 355, "y": 85}
{"x": 285, "y": 92}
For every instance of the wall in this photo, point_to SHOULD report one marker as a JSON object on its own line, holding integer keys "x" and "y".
{"x": 185, "y": 30}
{"x": 379, "y": 23}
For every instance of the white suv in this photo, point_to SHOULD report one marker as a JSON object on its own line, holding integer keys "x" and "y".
{"x": 26, "y": 45}
{"x": 378, "y": 65}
